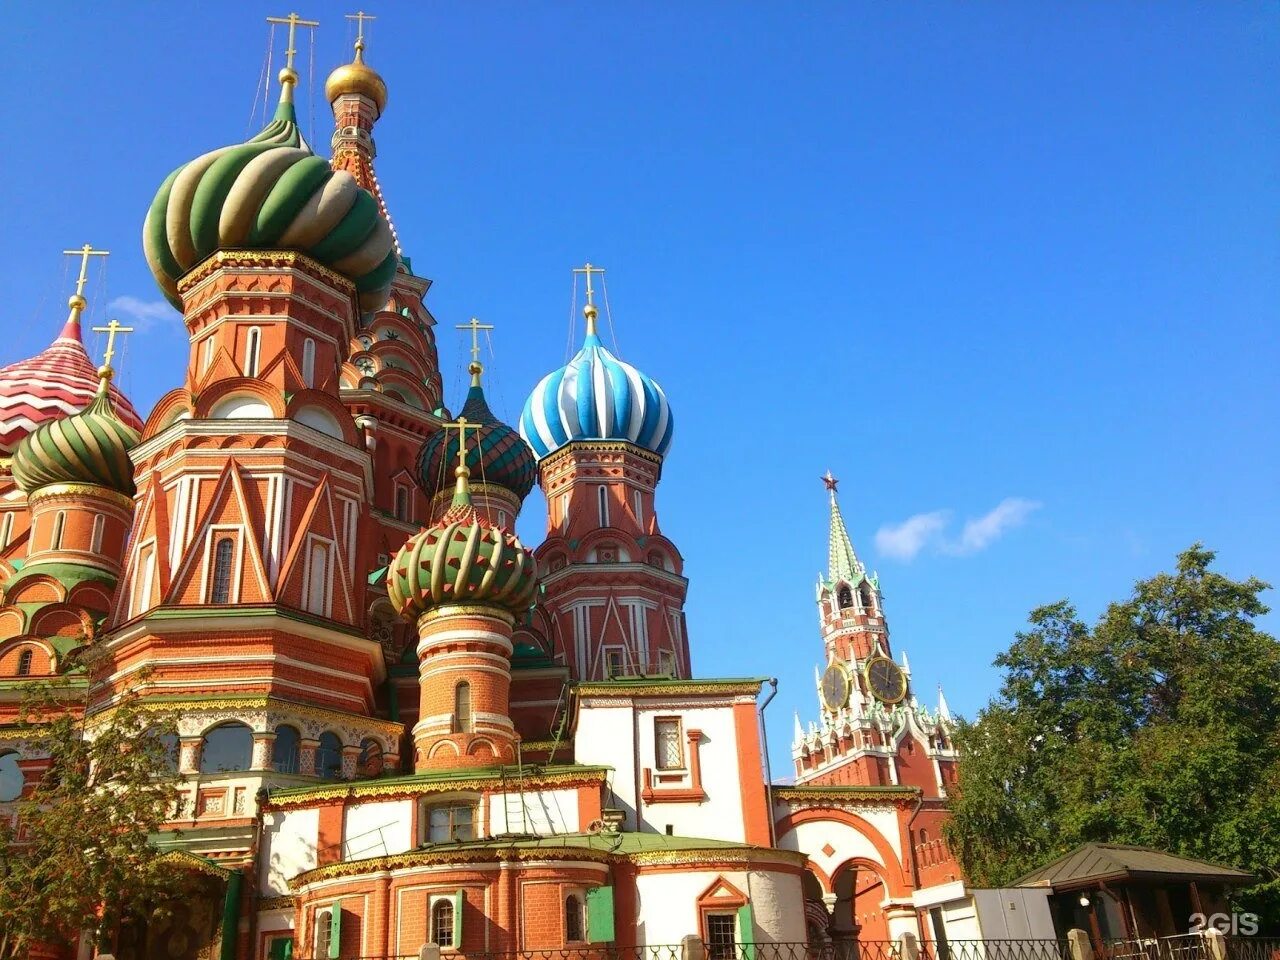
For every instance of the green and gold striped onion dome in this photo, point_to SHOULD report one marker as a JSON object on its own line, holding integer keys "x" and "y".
{"x": 91, "y": 446}
{"x": 462, "y": 559}
{"x": 271, "y": 193}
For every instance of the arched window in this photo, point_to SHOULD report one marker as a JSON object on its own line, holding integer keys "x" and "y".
{"x": 462, "y": 708}
{"x": 637, "y": 500}
{"x": 286, "y": 750}
{"x": 220, "y": 588}
{"x": 309, "y": 362}
{"x": 370, "y": 762}
{"x": 11, "y": 778}
{"x": 316, "y": 600}
{"x": 329, "y": 756}
{"x": 867, "y": 596}
{"x": 168, "y": 745}
{"x": 442, "y": 922}
{"x": 208, "y": 354}
{"x": 24, "y": 662}
{"x": 59, "y": 521}
{"x": 228, "y": 746}
{"x": 602, "y": 503}
{"x": 844, "y": 597}
{"x": 95, "y": 540}
{"x": 573, "y": 919}
{"x": 324, "y": 933}
{"x": 252, "y": 348}
{"x": 402, "y": 503}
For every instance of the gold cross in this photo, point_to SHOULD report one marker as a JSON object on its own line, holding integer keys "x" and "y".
{"x": 294, "y": 21}
{"x": 84, "y": 253}
{"x": 462, "y": 425}
{"x": 588, "y": 269}
{"x": 111, "y": 329}
{"x": 475, "y": 326}
{"x": 360, "y": 17}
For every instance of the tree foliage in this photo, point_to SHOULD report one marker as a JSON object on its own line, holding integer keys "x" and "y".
{"x": 80, "y": 859}
{"x": 1157, "y": 726}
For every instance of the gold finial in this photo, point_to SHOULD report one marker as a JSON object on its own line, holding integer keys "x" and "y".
{"x": 289, "y": 76}
{"x": 360, "y": 17}
{"x": 462, "y": 491}
{"x": 475, "y": 368}
{"x": 104, "y": 372}
{"x": 77, "y": 302}
{"x": 590, "y": 311}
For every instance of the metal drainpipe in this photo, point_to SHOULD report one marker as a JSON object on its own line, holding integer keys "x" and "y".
{"x": 915, "y": 866}
{"x": 768, "y": 771}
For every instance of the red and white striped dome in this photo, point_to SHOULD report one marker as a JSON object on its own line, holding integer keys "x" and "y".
{"x": 57, "y": 382}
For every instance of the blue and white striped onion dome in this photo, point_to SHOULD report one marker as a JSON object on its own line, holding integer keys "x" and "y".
{"x": 596, "y": 397}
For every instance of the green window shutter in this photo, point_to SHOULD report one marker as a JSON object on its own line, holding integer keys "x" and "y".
{"x": 600, "y": 915}
{"x": 457, "y": 920}
{"x": 746, "y": 932}
{"x": 287, "y": 952}
{"x": 281, "y": 949}
{"x": 335, "y": 931}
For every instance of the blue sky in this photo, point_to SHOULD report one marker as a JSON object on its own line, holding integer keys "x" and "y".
{"x": 1009, "y": 270}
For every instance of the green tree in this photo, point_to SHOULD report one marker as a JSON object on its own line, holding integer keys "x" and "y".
{"x": 1157, "y": 726}
{"x": 81, "y": 859}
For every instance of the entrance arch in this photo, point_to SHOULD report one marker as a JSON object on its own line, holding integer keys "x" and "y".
{"x": 861, "y": 896}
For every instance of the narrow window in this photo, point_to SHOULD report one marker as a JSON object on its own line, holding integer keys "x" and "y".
{"x": 844, "y": 598}
{"x": 442, "y": 923}
{"x": 666, "y": 663}
{"x": 402, "y": 503}
{"x": 286, "y": 750}
{"x": 253, "y": 346}
{"x": 564, "y": 508}
{"x": 669, "y": 748}
{"x": 462, "y": 708}
{"x": 721, "y": 937}
{"x": 329, "y": 756}
{"x": 55, "y": 542}
{"x": 24, "y": 663}
{"x": 309, "y": 362}
{"x": 613, "y": 663}
{"x": 6, "y": 529}
{"x": 867, "y": 596}
{"x": 147, "y": 564}
{"x": 95, "y": 541}
{"x": 208, "y": 353}
{"x": 324, "y": 932}
{"x": 318, "y": 580}
{"x": 602, "y": 502}
{"x": 220, "y": 590}
{"x": 637, "y": 499}
{"x": 502, "y": 520}
{"x": 573, "y": 918}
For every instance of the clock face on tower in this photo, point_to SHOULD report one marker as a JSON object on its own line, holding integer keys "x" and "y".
{"x": 835, "y": 686}
{"x": 886, "y": 680}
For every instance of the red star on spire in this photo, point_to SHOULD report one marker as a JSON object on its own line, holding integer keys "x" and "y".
{"x": 830, "y": 482}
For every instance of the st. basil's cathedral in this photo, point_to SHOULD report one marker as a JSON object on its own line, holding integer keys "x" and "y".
{"x": 397, "y": 725}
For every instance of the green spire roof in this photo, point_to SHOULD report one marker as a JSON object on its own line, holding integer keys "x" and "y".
{"x": 842, "y": 562}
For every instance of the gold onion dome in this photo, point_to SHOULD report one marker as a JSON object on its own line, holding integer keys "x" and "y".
{"x": 359, "y": 78}
{"x": 463, "y": 558}
{"x": 91, "y": 447}
{"x": 270, "y": 193}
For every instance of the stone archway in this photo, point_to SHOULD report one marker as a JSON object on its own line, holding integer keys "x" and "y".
{"x": 860, "y": 896}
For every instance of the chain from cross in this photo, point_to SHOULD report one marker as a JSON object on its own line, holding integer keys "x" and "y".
{"x": 111, "y": 329}
{"x": 462, "y": 425}
{"x": 293, "y": 21}
{"x": 475, "y": 326}
{"x": 84, "y": 253}
{"x": 360, "y": 17}
{"x": 588, "y": 269}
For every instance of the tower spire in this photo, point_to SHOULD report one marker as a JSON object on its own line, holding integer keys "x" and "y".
{"x": 842, "y": 562}
{"x": 77, "y": 302}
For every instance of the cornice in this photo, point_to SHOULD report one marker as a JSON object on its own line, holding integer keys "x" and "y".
{"x": 847, "y": 796}
{"x": 625, "y": 689}
{"x": 258, "y": 259}
{"x": 183, "y": 704}
{"x": 53, "y": 490}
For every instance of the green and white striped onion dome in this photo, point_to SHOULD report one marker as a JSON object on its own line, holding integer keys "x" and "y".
{"x": 271, "y": 193}
{"x": 463, "y": 558}
{"x": 91, "y": 446}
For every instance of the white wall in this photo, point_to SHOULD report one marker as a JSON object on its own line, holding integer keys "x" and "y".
{"x": 377, "y": 829}
{"x": 668, "y": 907}
{"x": 813, "y": 837}
{"x": 606, "y": 737}
{"x": 288, "y": 848}
{"x": 777, "y": 900}
{"x": 546, "y": 811}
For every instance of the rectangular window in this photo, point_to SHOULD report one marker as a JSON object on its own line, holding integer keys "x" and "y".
{"x": 208, "y": 354}
{"x": 59, "y": 521}
{"x": 147, "y": 569}
{"x": 666, "y": 663}
{"x": 6, "y": 529}
{"x": 454, "y": 821}
{"x": 668, "y": 743}
{"x": 613, "y": 662}
{"x": 95, "y": 541}
{"x": 721, "y": 937}
{"x": 602, "y": 502}
{"x": 318, "y": 580}
{"x": 309, "y": 362}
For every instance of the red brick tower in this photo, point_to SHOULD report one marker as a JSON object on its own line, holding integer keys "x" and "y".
{"x": 613, "y": 585}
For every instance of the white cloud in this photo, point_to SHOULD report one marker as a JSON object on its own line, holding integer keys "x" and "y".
{"x": 904, "y": 540}
{"x": 142, "y": 314}
{"x": 980, "y": 532}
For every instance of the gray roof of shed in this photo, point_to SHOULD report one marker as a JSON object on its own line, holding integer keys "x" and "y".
{"x": 1097, "y": 862}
